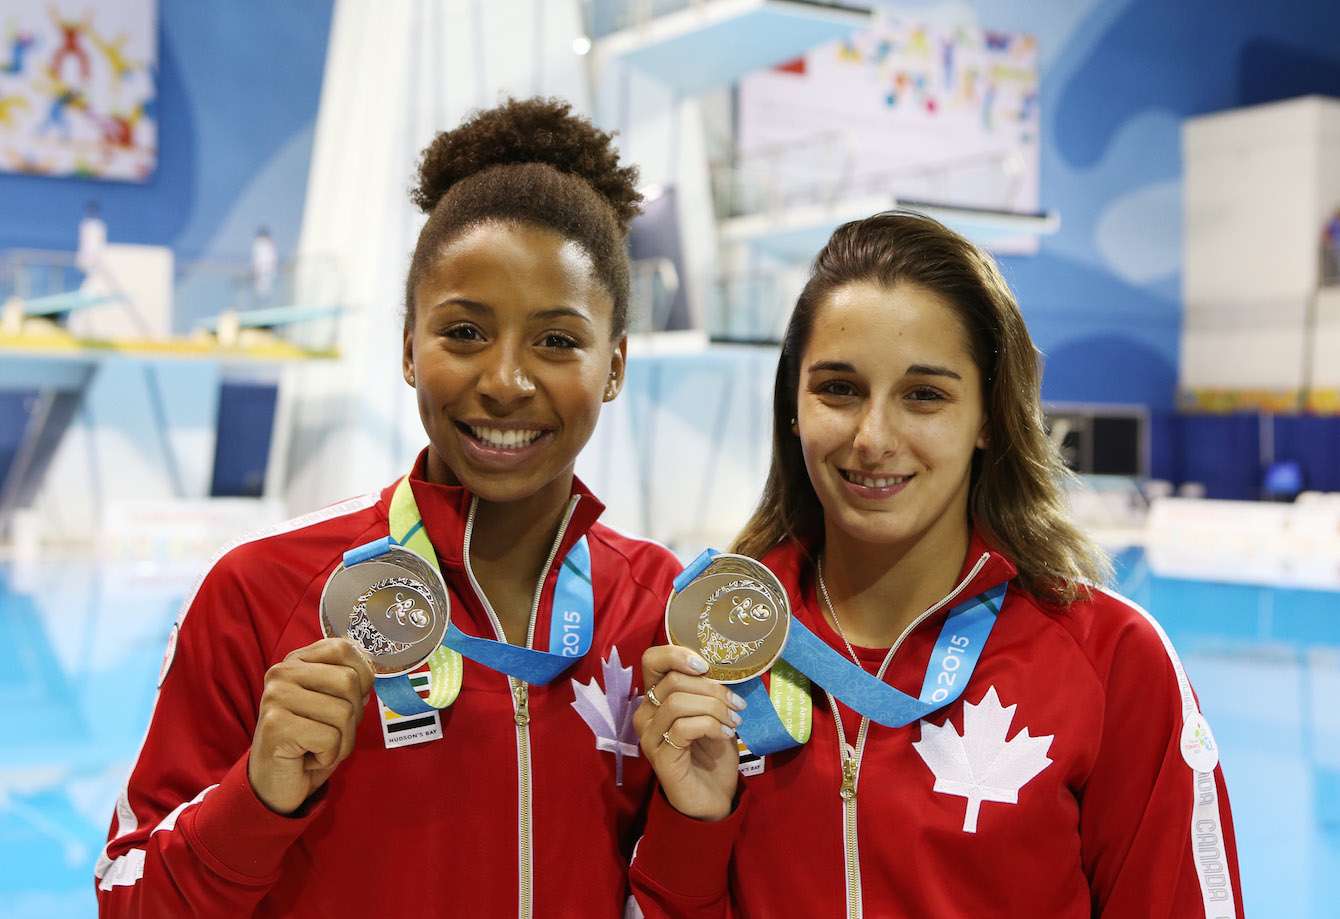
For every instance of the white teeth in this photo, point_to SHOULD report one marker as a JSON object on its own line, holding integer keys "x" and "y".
{"x": 875, "y": 482}
{"x": 506, "y": 440}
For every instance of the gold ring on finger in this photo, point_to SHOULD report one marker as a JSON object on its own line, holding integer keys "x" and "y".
{"x": 665, "y": 736}
{"x": 651, "y": 697}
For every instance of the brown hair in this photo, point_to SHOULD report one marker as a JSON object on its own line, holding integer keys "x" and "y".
{"x": 529, "y": 161}
{"x": 1016, "y": 499}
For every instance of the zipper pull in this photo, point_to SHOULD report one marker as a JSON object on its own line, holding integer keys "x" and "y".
{"x": 521, "y": 695}
{"x": 848, "y": 791}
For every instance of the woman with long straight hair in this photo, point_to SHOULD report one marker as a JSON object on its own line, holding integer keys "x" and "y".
{"x": 1055, "y": 762}
{"x": 503, "y": 779}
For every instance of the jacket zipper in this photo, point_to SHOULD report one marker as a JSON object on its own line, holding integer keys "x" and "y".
{"x": 851, "y": 849}
{"x": 850, "y": 758}
{"x": 520, "y": 705}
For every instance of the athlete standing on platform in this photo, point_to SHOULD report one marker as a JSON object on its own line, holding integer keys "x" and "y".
{"x": 272, "y": 781}
{"x": 912, "y": 484}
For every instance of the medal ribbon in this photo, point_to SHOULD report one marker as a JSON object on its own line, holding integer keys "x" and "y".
{"x": 769, "y": 728}
{"x": 570, "y": 627}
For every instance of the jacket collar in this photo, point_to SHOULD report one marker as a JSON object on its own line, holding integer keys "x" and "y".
{"x": 983, "y": 568}
{"x": 446, "y": 512}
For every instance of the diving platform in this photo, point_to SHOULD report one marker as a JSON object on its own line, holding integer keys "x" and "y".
{"x": 713, "y": 44}
{"x": 797, "y": 232}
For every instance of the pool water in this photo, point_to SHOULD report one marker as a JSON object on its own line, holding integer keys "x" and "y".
{"x": 86, "y": 643}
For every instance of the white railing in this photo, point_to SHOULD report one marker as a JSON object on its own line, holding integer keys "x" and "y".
{"x": 824, "y": 169}
{"x": 32, "y": 273}
{"x": 202, "y": 287}
{"x": 654, "y": 287}
{"x": 209, "y": 286}
{"x": 748, "y": 307}
{"x": 772, "y": 177}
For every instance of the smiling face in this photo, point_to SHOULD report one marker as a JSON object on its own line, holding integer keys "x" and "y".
{"x": 511, "y": 356}
{"x": 889, "y": 413}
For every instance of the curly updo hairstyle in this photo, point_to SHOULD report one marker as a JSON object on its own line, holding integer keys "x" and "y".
{"x": 529, "y": 161}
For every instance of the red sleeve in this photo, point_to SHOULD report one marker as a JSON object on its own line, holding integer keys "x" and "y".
{"x": 189, "y": 836}
{"x": 1157, "y": 835}
{"x": 680, "y": 868}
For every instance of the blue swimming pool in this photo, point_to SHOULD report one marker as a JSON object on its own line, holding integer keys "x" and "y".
{"x": 85, "y": 645}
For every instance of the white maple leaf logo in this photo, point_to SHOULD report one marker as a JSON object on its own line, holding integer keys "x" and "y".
{"x": 982, "y": 765}
{"x": 610, "y": 713}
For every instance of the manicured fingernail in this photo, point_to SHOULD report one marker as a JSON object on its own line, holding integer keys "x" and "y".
{"x": 735, "y": 719}
{"x": 697, "y": 664}
{"x": 729, "y": 732}
{"x": 735, "y": 702}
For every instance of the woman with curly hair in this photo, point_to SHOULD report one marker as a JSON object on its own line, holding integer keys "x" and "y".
{"x": 996, "y": 735}
{"x": 278, "y": 777}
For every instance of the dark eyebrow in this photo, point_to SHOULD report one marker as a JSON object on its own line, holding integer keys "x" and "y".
{"x": 922, "y": 370}
{"x": 555, "y": 312}
{"x": 560, "y": 312}
{"x": 835, "y": 366}
{"x": 916, "y": 370}
{"x": 473, "y": 306}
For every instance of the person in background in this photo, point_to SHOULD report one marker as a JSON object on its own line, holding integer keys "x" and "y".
{"x": 92, "y": 240}
{"x": 1055, "y": 761}
{"x": 264, "y": 265}
{"x": 1330, "y": 250}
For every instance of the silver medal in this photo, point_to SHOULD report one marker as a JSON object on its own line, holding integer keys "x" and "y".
{"x": 394, "y": 607}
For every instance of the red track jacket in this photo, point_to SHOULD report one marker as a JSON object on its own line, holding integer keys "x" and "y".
{"x": 1059, "y": 784}
{"x": 436, "y": 827}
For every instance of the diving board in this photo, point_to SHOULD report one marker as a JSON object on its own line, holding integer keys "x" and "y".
{"x": 66, "y": 302}
{"x": 271, "y": 317}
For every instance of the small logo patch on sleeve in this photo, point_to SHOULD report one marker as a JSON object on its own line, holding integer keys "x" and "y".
{"x": 1198, "y": 747}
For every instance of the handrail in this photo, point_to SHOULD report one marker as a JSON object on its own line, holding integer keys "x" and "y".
{"x": 765, "y": 180}
{"x": 52, "y": 280}
{"x": 653, "y": 287}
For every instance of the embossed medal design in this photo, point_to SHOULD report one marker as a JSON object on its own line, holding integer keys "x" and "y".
{"x": 394, "y": 607}
{"x": 735, "y": 615}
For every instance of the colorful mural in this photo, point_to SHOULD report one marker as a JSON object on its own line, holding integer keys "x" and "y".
{"x": 77, "y": 89}
{"x": 938, "y": 113}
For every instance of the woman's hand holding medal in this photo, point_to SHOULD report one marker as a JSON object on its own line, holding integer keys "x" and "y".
{"x": 727, "y": 621}
{"x": 686, "y": 725}
{"x": 309, "y": 715}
